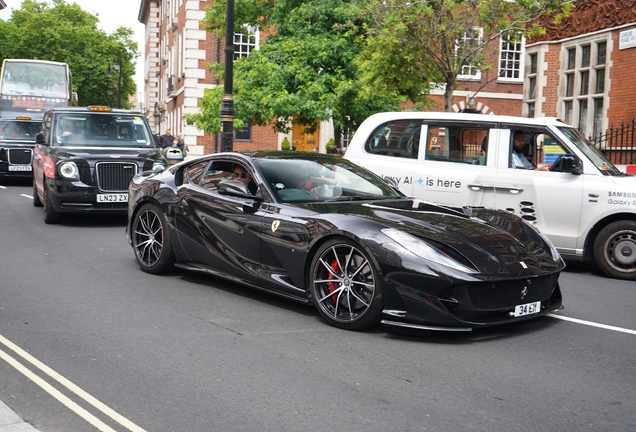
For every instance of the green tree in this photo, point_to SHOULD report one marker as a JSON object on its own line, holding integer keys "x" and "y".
{"x": 414, "y": 45}
{"x": 66, "y": 33}
{"x": 304, "y": 71}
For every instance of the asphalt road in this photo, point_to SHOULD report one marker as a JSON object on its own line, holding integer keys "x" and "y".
{"x": 89, "y": 342}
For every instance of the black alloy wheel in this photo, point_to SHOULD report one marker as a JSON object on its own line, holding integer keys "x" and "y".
{"x": 615, "y": 250}
{"x": 151, "y": 240}
{"x": 344, "y": 286}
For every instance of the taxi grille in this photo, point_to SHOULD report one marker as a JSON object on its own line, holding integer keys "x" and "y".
{"x": 115, "y": 176}
{"x": 20, "y": 156}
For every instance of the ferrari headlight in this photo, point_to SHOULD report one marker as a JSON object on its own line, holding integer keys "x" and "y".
{"x": 555, "y": 254}
{"x": 422, "y": 249}
{"x": 68, "y": 170}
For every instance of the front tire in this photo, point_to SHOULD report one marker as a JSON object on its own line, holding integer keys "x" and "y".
{"x": 615, "y": 250}
{"x": 344, "y": 286}
{"x": 36, "y": 199}
{"x": 151, "y": 240}
{"x": 50, "y": 215}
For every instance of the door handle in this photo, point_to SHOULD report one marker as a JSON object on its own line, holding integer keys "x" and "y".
{"x": 512, "y": 189}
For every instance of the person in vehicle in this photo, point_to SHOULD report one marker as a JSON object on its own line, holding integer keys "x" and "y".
{"x": 241, "y": 174}
{"x": 519, "y": 159}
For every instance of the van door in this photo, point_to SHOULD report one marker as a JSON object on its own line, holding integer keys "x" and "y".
{"x": 551, "y": 200}
{"x": 453, "y": 160}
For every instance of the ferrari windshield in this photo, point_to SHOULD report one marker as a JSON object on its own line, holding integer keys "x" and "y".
{"x": 102, "y": 129}
{"x": 295, "y": 179}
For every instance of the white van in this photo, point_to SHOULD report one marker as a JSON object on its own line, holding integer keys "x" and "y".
{"x": 554, "y": 179}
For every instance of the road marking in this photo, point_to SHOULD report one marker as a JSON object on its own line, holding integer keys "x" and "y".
{"x": 593, "y": 324}
{"x": 26, "y": 196}
{"x": 2, "y": 187}
{"x": 69, "y": 385}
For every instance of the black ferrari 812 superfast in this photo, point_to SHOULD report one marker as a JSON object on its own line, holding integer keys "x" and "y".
{"x": 321, "y": 230}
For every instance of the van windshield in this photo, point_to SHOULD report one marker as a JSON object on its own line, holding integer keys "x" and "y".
{"x": 593, "y": 154}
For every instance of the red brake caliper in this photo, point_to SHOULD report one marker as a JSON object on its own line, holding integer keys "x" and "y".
{"x": 333, "y": 286}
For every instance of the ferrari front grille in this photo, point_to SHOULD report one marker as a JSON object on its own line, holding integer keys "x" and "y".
{"x": 115, "y": 176}
{"x": 489, "y": 296}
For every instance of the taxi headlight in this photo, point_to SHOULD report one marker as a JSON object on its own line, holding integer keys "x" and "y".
{"x": 69, "y": 170}
{"x": 424, "y": 250}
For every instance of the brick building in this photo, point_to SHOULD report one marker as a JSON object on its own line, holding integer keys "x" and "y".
{"x": 176, "y": 55}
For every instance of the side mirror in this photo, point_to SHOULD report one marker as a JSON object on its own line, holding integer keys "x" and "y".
{"x": 39, "y": 138}
{"x": 569, "y": 164}
{"x": 391, "y": 182}
{"x": 236, "y": 188}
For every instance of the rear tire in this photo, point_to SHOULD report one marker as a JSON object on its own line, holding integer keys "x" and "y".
{"x": 50, "y": 215}
{"x": 615, "y": 250}
{"x": 151, "y": 240}
{"x": 36, "y": 199}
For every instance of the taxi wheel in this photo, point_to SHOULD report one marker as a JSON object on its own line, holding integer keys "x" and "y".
{"x": 36, "y": 198}
{"x": 50, "y": 215}
{"x": 615, "y": 250}
{"x": 152, "y": 241}
{"x": 344, "y": 286}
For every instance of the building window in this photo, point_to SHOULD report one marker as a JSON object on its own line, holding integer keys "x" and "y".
{"x": 245, "y": 43}
{"x": 583, "y": 86}
{"x": 467, "y": 45}
{"x": 511, "y": 57}
{"x": 531, "y": 86}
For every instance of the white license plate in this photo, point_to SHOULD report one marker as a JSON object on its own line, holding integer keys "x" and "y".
{"x": 527, "y": 309}
{"x": 103, "y": 198}
{"x": 20, "y": 168}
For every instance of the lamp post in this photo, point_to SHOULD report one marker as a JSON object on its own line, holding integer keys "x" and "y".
{"x": 117, "y": 67}
{"x": 227, "y": 106}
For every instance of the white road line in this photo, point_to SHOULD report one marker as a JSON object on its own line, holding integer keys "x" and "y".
{"x": 66, "y": 383}
{"x": 2, "y": 187}
{"x": 26, "y": 196}
{"x": 593, "y": 324}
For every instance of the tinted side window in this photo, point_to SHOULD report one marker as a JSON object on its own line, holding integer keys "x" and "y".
{"x": 458, "y": 144}
{"x": 194, "y": 172}
{"x": 398, "y": 138}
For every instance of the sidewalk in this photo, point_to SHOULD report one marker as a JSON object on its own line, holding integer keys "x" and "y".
{"x": 11, "y": 422}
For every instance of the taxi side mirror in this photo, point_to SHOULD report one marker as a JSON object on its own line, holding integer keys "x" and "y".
{"x": 569, "y": 164}
{"x": 39, "y": 138}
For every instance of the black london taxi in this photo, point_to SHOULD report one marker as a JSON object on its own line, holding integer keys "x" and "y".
{"x": 86, "y": 156}
{"x": 17, "y": 140}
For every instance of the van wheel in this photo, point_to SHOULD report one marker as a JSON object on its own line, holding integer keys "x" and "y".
{"x": 615, "y": 250}
{"x": 36, "y": 198}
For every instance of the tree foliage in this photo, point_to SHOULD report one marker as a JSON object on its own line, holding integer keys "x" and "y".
{"x": 414, "y": 44}
{"x": 66, "y": 33}
{"x": 305, "y": 71}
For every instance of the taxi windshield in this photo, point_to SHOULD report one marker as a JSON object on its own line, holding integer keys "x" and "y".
{"x": 102, "y": 130}
{"x": 593, "y": 154}
{"x": 18, "y": 130}
{"x": 298, "y": 179}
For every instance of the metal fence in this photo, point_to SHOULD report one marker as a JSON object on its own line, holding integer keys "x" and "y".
{"x": 618, "y": 144}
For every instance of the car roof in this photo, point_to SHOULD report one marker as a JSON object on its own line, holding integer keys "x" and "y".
{"x": 86, "y": 110}
{"x": 429, "y": 115}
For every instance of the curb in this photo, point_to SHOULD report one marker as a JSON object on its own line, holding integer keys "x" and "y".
{"x": 11, "y": 422}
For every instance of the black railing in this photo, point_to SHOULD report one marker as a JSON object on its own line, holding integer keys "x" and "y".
{"x": 618, "y": 144}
